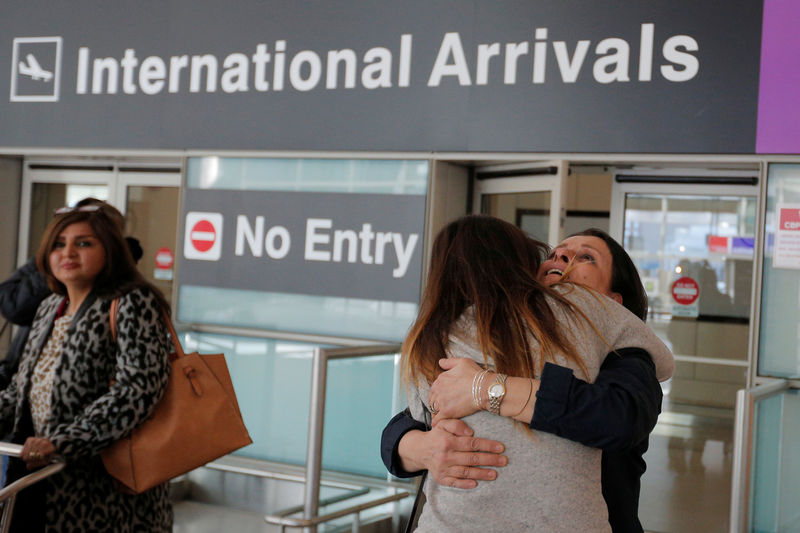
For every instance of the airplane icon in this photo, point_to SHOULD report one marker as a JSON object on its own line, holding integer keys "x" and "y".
{"x": 34, "y": 70}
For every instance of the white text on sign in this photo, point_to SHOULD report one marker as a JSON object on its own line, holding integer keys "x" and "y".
{"x": 323, "y": 243}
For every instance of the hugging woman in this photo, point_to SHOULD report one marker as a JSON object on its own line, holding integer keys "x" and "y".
{"x": 483, "y": 302}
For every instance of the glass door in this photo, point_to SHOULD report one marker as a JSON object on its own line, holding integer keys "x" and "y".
{"x": 694, "y": 247}
{"x": 766, "y": 491}
{"x": 147, "y": 194}
{"x": 530, "y": 197}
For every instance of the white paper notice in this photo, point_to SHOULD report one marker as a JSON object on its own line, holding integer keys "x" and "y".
{"x": 786, "y": 253}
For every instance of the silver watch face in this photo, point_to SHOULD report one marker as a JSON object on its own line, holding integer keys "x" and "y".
{"x": 497, "y": 390}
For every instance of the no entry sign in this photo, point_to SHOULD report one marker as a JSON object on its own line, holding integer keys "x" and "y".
{"x": 685, "y": 292}
{"x": 203, "y": 239}
{"x": 164, "y": 258}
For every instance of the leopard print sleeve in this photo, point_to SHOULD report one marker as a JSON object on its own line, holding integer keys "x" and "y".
{"x": 140, "y": 375}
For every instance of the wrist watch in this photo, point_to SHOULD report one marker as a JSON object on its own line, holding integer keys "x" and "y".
{"x": 497, "y": 391}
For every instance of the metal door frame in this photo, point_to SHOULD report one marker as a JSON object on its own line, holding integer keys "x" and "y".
{"x": 117, "y": 175}
{"x": 542, "y": 176}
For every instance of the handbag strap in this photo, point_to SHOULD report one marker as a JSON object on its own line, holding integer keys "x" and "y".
{"x": 112, "y": 321}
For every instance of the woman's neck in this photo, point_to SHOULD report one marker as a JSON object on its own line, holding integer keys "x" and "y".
{"x": 76, "y": 296}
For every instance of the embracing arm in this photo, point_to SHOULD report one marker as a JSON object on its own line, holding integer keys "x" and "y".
{"x": 393, "y": 433}
{"x": 614, "y": 413}
{"x": 449, "y": 451}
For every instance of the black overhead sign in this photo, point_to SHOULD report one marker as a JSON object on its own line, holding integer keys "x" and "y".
{"x": 450, "y": 75}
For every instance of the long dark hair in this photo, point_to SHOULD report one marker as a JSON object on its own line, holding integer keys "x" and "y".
{"x": 625, "y": 278}
{"x": 491, "y": 265}
{"x": 119, "y": 274}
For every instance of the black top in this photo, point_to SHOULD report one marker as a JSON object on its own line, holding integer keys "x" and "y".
{"x": 616, "y": 413}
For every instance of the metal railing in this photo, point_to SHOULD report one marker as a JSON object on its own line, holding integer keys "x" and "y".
{"x": 8, "y": 495}
{"x": 743, "y": 450}
{"x": 319, "y": 376}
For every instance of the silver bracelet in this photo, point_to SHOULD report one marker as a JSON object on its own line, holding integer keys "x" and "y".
{"x": 479, "y": 403}
{"x": 477, "y": 383}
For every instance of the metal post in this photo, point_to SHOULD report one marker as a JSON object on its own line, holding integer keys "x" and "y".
{"x": 740, "y": 475}
{"x": 315, "y": 426}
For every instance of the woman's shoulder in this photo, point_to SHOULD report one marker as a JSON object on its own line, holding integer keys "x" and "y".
{"x": 138, "y": 298}
{"x": 589, "y": 300}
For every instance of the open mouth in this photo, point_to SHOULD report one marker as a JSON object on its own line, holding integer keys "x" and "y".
{"x": 554, "y": 271}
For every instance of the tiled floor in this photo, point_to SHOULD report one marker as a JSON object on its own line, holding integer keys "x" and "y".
{"x": 687, "y": 486}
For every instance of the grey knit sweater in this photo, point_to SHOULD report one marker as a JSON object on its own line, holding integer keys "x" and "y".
{"x": 550, "y": 484}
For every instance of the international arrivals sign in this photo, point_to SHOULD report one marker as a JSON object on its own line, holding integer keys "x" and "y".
{"x": 325, "y": 244}
{"x": 606, "y": 76}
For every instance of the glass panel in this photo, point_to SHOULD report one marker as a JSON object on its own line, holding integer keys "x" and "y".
{"x": 341, "y": 317}
{"x": 776, "y": 464}
{"x": 779, "y": 349}
{"x": 272, "y": 382}
{"x": 529, "y": 211}
{"x": 345, "y": 317}
{"x": 45, "y": 197}
{"x": 151, "y": 218}
{"x": 710, "y": 240}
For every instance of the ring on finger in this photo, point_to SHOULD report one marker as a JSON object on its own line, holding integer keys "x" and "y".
{"x": 432, "y": 407}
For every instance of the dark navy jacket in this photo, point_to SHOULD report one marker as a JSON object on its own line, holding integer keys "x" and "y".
{"x": 616, "y": 413}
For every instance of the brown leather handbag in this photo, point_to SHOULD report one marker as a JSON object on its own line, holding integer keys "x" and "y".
{"x": 197, "y": 421}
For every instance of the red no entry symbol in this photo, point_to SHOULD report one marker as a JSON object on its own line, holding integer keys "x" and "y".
{"x": 203, "y": 235}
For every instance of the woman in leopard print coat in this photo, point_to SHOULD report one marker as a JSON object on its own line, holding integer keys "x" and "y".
{"x": 78, "y": 390}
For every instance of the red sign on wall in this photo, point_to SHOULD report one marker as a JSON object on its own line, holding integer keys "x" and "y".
{"x": 685, "y": 291}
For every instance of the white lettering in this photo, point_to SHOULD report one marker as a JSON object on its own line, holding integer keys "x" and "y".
{"x": 570, "y": 68}
{"x": 334, "y": 58}
{"x": 296, "y": 70}
{"x": 539, "y": 55}
{"x": 151, "y": 75}
{"x": 618, "y": 60}
{"x": 176, "y": 63}
{"x": 403, "y": 253}
{"x": 245, "y": 233}
{"x": 260, "y": 60}
{"x": 366, "y": 235}
{"x": 208, "y": 63}
{"x": 339, "y": 236}
{"x": 378, "y": 71}
{"x": 381, "y": 240}
{"x": 234, "y": 79}
{"x": 108, "y": 64}
{"x": 128, "y": 65}
{"x": 313, "y": 238}
{"x": 513, "y": 52}
{"x": 279, "y": 65}
{"x": 451, "y": 47}
{"x": 277, "y": 232}
{"x": 83, "y": 70}
{"x": 485, "y": 53}
{"x": 689, "y": 62}
{"x": 404, "y": 77}
{"x": 646, "y": 52}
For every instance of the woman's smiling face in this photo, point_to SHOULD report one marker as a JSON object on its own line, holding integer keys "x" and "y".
{"x": 589, "y": 261}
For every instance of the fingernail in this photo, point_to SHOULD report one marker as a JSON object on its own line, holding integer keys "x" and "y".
{"x": 498, "y": 448}
{"x": 492, "y": 474}
{"x": 503, "y": 460}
